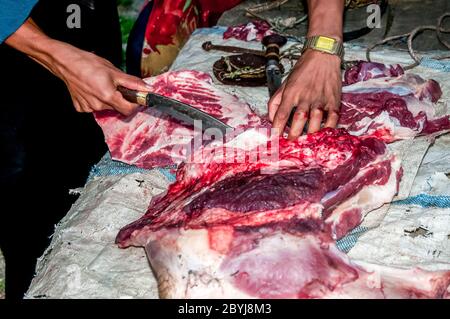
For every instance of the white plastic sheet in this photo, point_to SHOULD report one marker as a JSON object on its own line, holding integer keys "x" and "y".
{"x": 82, "y": 260}
{"x": 408, "y": 236}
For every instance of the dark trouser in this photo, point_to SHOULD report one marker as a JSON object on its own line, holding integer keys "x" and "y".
{"x": 46, "y": 147}
{"x": 136, "y": 41}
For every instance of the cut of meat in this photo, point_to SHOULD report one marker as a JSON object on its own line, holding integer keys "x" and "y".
{"x": 263, "y": 228}
{"x": 277, "y": 263}
{"x": 391, "y": 78}
{"x": 363, "y": 71}
{"x": 251, "y": 31}
{"x": 314, "y": 168}
{"x": 149, "y": 138}
{"x": 377, "y": 100}
{"x": 377, "y": 183}
{"x": 382, "y": 101}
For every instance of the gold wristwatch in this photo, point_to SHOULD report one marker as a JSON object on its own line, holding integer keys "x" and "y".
{"x": 325, "y": 44}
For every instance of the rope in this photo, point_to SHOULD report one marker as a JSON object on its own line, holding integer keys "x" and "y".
{"x": 410, "y": 37}
{"x": 266, "y": 6}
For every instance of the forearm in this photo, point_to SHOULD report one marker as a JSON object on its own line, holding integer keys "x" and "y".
{"x": 91, "y": 80}
{"x": 313, "y": 86}
{"x": 32, "y": 41}
{"x": 325, "y": 18}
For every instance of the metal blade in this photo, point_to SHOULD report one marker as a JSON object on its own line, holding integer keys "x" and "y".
{"x": 185, "y": 112}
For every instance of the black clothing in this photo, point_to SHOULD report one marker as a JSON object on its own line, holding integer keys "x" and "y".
{"x": 46, "y": 146}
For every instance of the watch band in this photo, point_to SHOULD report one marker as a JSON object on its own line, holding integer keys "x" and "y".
{"x": 325, "y": 44}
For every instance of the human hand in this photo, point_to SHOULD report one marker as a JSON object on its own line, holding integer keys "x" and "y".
{"x": 314, "y": 87}
{"x": 92, "y": 81}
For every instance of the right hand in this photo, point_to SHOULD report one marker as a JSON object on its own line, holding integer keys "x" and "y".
{"x": 92, "y": 82}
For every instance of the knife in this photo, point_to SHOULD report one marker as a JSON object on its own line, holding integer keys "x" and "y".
{"x": 176, "y": 109}
{"x": 273, "y": 43}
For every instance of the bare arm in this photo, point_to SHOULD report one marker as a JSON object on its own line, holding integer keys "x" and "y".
{"x": 91, "y": 80}
{"x": 314, "y": 85}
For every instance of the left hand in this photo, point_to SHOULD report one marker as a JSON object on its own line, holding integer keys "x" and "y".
{"x": 314, "y": 87}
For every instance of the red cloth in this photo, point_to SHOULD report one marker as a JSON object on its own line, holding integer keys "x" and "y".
{"x": 211, "y": 10}
{"x": 170, "y": 24}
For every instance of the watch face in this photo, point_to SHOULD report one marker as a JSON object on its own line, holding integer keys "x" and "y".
{"x": 325, "y": 43}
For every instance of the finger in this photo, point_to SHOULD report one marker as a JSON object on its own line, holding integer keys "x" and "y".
{"x": 283, "y": 112}
{"x": 98, "y": 105}
{"x": 121, "y": 105}
{"x": 77, "y": 105}
{"x": 332, "y": 119}
{"x": 88, "y": 106}
{"x": 274, "y": 103}
{"x": 315, "y": 120}
{"x": 298, "y": 122}
{"x": 332, "y": 108}
{"x": 131, "y": 82}
{"x": 81, "y": 105}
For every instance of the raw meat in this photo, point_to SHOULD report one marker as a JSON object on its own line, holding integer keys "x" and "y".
{"x": 383, "y": 101}
{"x": 377, "y": 100}
{"x": 149, "y": 138}
{"x": 258, "y": 221}
{"x": 329, "y": 167}
{"x": 364, "y": 71}
{"x": 252, "y": 31}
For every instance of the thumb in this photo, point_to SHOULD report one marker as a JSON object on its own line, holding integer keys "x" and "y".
{"x": 131, "y": 82}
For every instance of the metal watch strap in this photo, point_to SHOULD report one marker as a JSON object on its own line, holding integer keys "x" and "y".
{"x": 338, "y": 47}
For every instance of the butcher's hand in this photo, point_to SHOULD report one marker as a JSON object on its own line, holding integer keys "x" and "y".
{"x": 314, "y": 88}
{"x": 92, "y": 81}
{"x": 314, "y": 85}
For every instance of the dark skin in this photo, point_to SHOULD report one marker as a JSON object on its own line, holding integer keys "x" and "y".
{"x": 314, "y": 85}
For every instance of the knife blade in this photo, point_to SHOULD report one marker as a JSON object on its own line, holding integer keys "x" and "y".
{"x": 175, "y": 109}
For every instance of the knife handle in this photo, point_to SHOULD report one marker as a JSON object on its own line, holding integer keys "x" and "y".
{"x": 273, "y": 43}
{"x": 133, "y": 96}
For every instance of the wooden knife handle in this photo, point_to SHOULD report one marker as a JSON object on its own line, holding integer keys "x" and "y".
{"x": 273, "y": 43}
{"x": 133, "y": 96}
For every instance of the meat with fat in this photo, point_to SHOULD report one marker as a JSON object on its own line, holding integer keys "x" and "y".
{"x": 383, "y": 101}
{"x": 149, "y": 138}
{"x": 259, "y": 221}
{"x": 377, "y": 100}
{"x": 252, "y": 31}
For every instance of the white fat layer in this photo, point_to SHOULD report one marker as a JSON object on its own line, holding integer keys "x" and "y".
{"x": 403, "y": 85}
{"x": 386, "y": 122}
{"x": 193, "y": 268}
{"x": 368, "y": 198}
{"x": 249, "y": 139}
